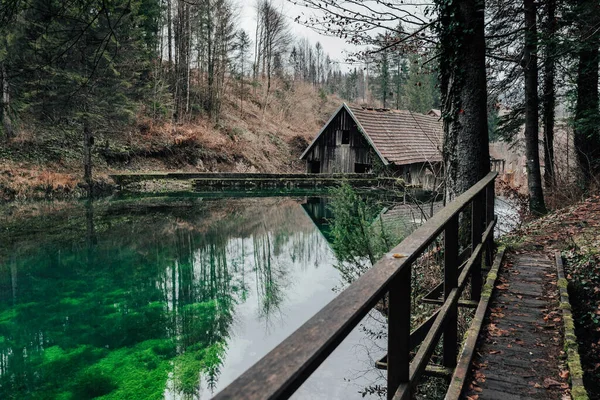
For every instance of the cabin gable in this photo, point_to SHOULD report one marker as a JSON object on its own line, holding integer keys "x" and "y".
{"x": 340, "y": 147}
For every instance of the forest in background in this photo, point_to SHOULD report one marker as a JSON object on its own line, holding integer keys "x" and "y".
{"x": 172, "y": 85}
{"x": 176, "y": 85}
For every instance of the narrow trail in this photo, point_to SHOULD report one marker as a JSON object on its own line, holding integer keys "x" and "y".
{"x": 519, "y": 351}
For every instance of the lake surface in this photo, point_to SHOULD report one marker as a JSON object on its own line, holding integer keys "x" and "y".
{"x": 166, "y": 298}
{"x": 171, "y": 297}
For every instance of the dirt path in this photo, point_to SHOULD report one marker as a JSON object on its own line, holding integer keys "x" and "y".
{"x": 520, "y": 347}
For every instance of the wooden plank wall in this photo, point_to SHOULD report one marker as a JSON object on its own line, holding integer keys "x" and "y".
{"x": 335, "y": 157}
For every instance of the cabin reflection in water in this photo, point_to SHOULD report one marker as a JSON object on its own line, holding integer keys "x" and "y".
{"x": 397, "y": 219}
{"x": 159, "y": 297}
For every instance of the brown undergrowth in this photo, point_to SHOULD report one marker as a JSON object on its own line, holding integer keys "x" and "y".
{"x": 45, "y": 162}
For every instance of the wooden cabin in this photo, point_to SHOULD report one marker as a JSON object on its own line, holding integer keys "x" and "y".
{"x": 391, "y": 142}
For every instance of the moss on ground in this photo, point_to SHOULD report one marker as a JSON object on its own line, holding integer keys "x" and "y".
{"x": 563, "y": 283}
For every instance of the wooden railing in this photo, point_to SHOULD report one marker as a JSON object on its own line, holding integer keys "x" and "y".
{"x": 285, "y": 368}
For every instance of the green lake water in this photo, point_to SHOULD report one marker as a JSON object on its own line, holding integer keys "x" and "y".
{"x": 165, "y": 297}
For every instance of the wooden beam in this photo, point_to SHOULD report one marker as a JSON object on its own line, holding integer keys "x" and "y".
{"x": 462, "y": 369}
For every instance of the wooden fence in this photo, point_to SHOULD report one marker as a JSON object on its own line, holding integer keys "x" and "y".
{"x": 285, "y": 368}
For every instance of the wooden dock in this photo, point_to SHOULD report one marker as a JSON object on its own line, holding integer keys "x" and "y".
{"x": 519, "y": 348}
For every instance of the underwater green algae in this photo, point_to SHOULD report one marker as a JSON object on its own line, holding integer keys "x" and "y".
{"x": 121, "y": 315}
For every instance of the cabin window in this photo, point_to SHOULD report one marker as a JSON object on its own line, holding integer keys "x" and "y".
{"x": 314, "y": 167}
{"x": 361, "y": 168}
{"x": 345, "y": 136}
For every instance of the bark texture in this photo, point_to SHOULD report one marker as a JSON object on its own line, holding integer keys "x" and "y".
{"x": 549, "y": 99}
{"x": 532, "y": 152}
{"x": 464, "y": 95}
{"x": 587, "y": 135}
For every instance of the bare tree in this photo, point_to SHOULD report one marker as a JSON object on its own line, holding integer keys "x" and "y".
{"x": 242, "y": 45}
{"x": 274, "y": 40}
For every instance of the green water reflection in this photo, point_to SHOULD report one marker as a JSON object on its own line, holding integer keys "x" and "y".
{"x": 157, "y": 297}
{"x": 137, "y": 300}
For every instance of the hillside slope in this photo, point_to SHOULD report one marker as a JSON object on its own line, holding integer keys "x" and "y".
{"x": 40, "y": 163}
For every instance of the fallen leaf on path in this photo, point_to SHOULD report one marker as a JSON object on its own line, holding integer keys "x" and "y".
{"x": 479, "y": 377}
{"x": 493, "y": 330}
{"x": 551, "y": 383}
{"x": 564, "y": 374}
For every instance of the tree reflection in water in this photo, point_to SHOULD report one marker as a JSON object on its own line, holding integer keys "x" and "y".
{"x": 137, "y": 299}
{"x": 361, "y": 229}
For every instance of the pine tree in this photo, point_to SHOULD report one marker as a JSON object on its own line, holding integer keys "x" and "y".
{"x": 80, "y": 65}
{"x": 420, "y": 88}
{"x": 382, "y": 81}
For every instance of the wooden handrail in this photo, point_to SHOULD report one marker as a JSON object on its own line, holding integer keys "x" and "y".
{"x": 285, "y": 368}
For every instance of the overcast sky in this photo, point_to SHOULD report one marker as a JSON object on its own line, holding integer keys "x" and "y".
{"x": 335, "y": 47}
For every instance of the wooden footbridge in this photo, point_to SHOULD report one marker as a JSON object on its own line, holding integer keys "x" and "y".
{"x": 410, "y": 351}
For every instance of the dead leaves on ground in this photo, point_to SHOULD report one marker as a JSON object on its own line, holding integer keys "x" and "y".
{"x": 493, "y": 330}
{"x": 550, "y": 383}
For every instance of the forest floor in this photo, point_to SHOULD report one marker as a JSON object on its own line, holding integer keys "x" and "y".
{"x": 525, "y": 321}
{"x": 46, "y": 162}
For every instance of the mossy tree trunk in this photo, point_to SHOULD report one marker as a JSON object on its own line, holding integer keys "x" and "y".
{"x": 549, "y": 96}
{"x": 464, "y": 94}
{"x": 529, "y": 63}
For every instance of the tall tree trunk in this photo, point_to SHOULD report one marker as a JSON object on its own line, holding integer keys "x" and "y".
{"x": 532, "y": 151}
{"x": 88, "y": 142}
{"x": 256, "y": 46}
{"x": 464, "y": 94}
{"x": 587, "y": 135}
{"x": 242, "y": 88}
{"x": 188, "y": 39}
{"x": 549, "y": 99}
{"x": 211, "y": 50}
{"x": 5, "y": 104}
{"x": 170, "y": 34}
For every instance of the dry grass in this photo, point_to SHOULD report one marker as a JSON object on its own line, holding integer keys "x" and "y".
{"x": 20, "y": 182}
{"x": 247, "y": 138}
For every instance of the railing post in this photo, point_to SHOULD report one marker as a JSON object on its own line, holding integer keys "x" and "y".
{"x": 477, "y": 220}
{"x": 489, "y": 217}
{"x": 399, "y": 331}
{"x": 451, "y": 282}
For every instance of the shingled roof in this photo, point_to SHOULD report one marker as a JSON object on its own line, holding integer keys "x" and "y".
{"x": 399, "y": 137}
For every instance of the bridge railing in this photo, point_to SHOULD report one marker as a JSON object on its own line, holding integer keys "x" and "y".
{"x": 282, "y": 371}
